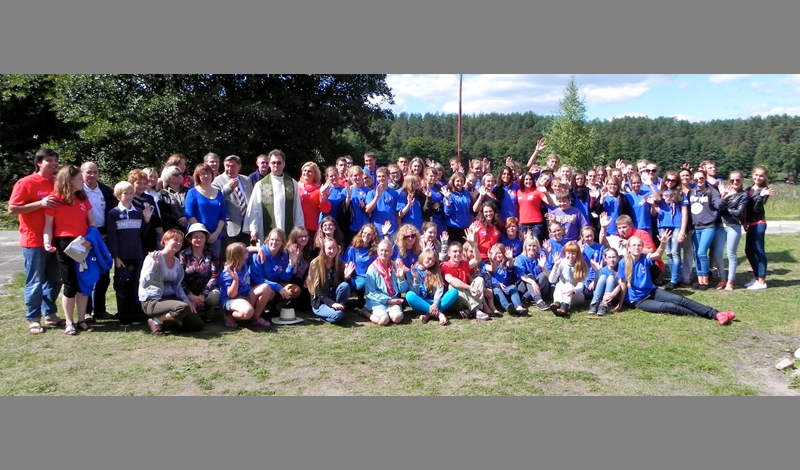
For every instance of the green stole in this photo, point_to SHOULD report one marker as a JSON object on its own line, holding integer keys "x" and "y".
{"x": 267, "y": 202}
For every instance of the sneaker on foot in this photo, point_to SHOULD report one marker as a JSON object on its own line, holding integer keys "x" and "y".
{"x": 482, "y": 316}
{"x": 725, "y": 317}
{"x": 593, "y": 308}
{"x": 753, "y": 281}
{"x": 758, "y": 286}
{"x": 602, "y": 309}
{"x": 542, "y": 305}
{"x": 670, "y": 286}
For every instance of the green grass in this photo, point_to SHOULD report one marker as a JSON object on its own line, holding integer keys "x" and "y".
{"x": 627, "y": 353}
{"x": 8, "y": 221}
{"x": 785, "y": 205}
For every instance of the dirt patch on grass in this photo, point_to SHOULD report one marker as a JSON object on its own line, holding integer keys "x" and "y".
{"x": 758, "y": 352}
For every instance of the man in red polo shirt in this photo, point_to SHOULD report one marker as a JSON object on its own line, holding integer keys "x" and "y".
{"x": 29, "y": 199}
{"x": 456, "y": 273}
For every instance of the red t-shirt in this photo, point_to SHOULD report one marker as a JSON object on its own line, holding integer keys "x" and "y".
{"x": 31, "y": 225}
{"x": 530, "y": 203}
{"x": 70, "y": 220}
{"x": 485, "y": 238}
{"x": 311, "y": 204}
{"x": 461, "y": 271}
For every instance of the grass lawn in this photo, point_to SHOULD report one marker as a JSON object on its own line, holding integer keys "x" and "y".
{"x": 627, "y": 353}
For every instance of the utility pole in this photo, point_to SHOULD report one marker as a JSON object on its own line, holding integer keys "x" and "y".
{"x": 460, "y": 76}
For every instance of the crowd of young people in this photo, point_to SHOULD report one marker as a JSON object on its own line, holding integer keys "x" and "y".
{"x": 185, "y": 246}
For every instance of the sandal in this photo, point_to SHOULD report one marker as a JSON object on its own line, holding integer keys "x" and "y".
{"x": 70, "y": 330}
{"x": 35, "y": 328}
{"x": 55, "y": 321}
{"x": 262, "y": 323}
{"x": 85, "y": 326}
{"x": 464, "y": 314}
{"x": 424, "y": 319}
{"x": 229, "y": 321}
{"x": 445, "y": 321}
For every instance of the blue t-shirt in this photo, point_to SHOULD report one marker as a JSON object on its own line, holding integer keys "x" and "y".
{"x": 669, "y": 215}
{"x": 642, "y": 218}
{"x": 502, "y": 275}
{"x": 386, "y": 209}
{"x": 508, "y": 205}
{"x": 515, "y": 244}
{"x": 208, "y": 212}
{"x": 360, "y": 257}
{"x": 408, "y": 260}
{"x": 612, "y": 206}
{"x": 360, "y": 216}
{"x": 556, "y": 247}
{"x": 593, "y": 252}
{"x": 336, "y": 197}
{"x": 437, "y": 215}
{"x": 458, "y": 213}
{"x": 226, "y": 280}
{"x": 642, "y": 284}
{"x": 526, "y": 266}
{"x": 414, "y": 214}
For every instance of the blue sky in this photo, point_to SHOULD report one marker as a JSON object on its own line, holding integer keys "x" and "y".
{"x": 690, "y": 97}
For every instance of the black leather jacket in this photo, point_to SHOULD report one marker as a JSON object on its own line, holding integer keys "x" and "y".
{"x": 733, "y": 208}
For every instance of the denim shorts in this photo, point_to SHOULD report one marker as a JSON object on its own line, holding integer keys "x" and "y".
{"x": 227, "y": 306}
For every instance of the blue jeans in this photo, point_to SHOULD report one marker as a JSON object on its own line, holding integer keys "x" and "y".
{"x": 604, "y": 285}
{"x": 661, "y": 301}
{"x": 539, "y": 230}
{"x": 733, "y": 234}
{"x": 359, "y": 284}
{"x": 422, "y": 305}
{"x": 702, "y": 239}
{"x": 673, "y": 250}
{"x": 755, "y": 251}
{"x": 330, "y": 314}
{"x": 511, "y": 292}
{"x": 42, "y": 283}
{"x": 688, "y": 259}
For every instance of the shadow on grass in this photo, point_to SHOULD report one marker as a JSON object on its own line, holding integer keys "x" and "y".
{"x": 781, "y": 257}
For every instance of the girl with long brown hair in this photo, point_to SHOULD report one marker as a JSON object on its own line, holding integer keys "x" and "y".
{"x": 426, "y": 294}
{"x": 327, "y": 282}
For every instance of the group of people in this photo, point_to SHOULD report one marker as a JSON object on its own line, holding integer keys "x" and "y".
{"x": 476, "y": 244}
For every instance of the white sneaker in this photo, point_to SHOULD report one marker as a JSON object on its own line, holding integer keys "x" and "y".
{"x": 758, "y": 286}
{"x": 750, "y": 283}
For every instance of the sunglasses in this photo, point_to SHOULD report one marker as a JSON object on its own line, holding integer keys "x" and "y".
{"x": 736, "y": 181}
{"x": 699, "y": 179}
{"x": 670, "y": 180}
{"x": 650, "y": 170}
{"x": 409, "y": 237}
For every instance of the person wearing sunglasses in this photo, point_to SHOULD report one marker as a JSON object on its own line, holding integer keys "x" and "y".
{"x": 704, "y": 203}
{"x": 729, "y": 233}
{"x": 672, "y": 211}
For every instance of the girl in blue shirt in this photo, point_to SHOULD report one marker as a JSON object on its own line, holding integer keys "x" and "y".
{"x": 336, "y": 196}
{"x": 511, "y": 238}
{"x": 641, "y": 293}
{"x": 433, "y": 209}
{"x": 606, "y": 287}
{"x": 641, "y": 203}
{"x": 240, "y": 297}
{"x": 382, "y": 202}
{"x": 426, "y": 294}
{"x": 274, "y": 266}
{"x": 501, "y": 266}
{"x": 532, "y": 281}
{"x": 407, "y": 245}
{"x": 409, "y": 202}
{"x": 357, "y": 201}
{"x": 613, "y": 203}
{"x": 457, "y": 207}
{"x": 508, "y": 202}
{"x": 362, "y": 252}
{"x": 673, "y": 215}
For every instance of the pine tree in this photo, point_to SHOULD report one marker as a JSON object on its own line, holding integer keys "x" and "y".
{"x": 569, "y": 136}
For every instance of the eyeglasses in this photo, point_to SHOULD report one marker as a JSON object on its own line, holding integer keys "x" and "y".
{"x": 409, "y": 237}
{"x": 670, "y": 180}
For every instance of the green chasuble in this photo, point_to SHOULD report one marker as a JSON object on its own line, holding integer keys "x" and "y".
{"x": 267, "y": 202}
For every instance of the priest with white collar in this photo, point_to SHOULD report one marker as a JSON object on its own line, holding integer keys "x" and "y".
{"x": 275, "y": 202}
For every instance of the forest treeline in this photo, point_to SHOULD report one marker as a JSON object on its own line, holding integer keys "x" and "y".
{"x": 133, "y": 121}
{"x": 734, "y": 144}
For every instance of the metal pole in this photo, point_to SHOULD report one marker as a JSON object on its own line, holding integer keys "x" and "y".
{"x": 460, "y": 76}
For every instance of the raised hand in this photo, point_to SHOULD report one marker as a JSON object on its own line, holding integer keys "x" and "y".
{"x": 767, "y": 192}
{"x": 664, "y": 238}
{"x": 446, "y": 192}
{"x": 349, "y": 269}
{"x": 597, "y": 266}
{"x": 430, "y": 246}
{"x": 605, "y": 220}
{"x": 541, "y": 144}
{"x": 548, "y": 247}
{"x": 470, "y": 233}
{"x": 444, "y": 237}
{"x": 386, "y": 227}
{"x": 410, "y": 198}
{"x": 232, "y": 273}
{"x": 556, "y": 257}
{"x": 509, "y": 253}
{"x": 542, "y": 260}
{"x": 429, "y": 162}
{"x": 619, "y": 164}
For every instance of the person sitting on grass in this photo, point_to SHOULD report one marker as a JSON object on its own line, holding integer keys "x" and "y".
{"x": 501, "y": 266}
{"x": 640, "y": 292}
{"x": 456, "y": 273}
{"x": 160, "y": 291}
{"x": 274, "y": 266}
{"x": 362, "y": 252}
{"x": 532, "y": 282}
{"x": 327, "y": 282}
{"x": 241, "y": 298}
{"x": 383, "y": 288}
{"x": 606, "y": 286}
{"x": 568, "y": 274}
{"x": 426, "y": 294}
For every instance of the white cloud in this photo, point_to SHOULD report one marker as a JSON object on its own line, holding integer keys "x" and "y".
{"x": 727, "y": 77}
{"x": 683, "y": 117}
{"x": 763, "y": 109}
{"x": 508, "y": 93}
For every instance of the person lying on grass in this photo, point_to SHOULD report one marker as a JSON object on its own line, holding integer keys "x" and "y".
{"x": 640, "y": 292}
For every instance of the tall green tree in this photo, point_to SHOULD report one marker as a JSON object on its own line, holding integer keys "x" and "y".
{"x": 570, "y": 136}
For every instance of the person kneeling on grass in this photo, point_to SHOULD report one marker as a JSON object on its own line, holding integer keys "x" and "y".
{"x": 385, "y": 283}
{"x": 160, "y": 290}
{"x": 426, "y": 294}
{"x": 640, "y": 292}
{"x": 327, "y": 282}
{"x": 241, "y": 300}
